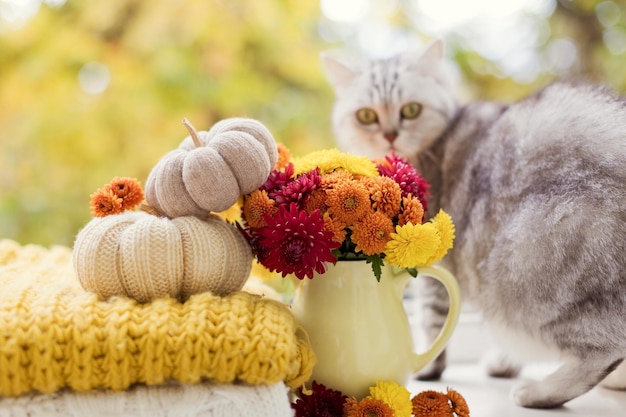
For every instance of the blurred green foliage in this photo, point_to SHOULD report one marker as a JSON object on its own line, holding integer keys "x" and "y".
{"x": 201, "y": 59}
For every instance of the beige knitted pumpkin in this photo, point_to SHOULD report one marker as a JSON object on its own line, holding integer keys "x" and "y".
{"x": 210, "y": 170}
{"x": 143, "y": 256}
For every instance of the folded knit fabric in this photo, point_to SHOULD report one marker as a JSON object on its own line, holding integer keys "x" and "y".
{"x": 54, "y": 335}
{"x": 172, "y": 400}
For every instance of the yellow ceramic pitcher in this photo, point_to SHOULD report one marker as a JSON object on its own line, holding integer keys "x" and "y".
{"x": 358, "y": 328}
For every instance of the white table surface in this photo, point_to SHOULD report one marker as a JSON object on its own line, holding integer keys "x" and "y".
{"x": 489, "y": 397}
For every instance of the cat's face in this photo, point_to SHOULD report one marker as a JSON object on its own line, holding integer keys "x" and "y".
{"x": 401, "y": 104}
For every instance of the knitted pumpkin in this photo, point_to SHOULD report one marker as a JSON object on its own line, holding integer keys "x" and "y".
{"x": 144, "y": 256}
{"x": 210, "y": 170}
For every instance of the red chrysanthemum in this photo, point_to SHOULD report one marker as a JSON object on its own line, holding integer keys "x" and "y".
{"x": 322, "y": 402}
{"x": 295, "y": 242}
{"x": 407, "y": 177}
{"x": 297, "y": 190}
{"x": 278, "y": 178}
{"x": 253, "y": 236}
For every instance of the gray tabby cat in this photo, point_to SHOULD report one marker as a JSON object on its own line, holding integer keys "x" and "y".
{"x": 537, "y": 191}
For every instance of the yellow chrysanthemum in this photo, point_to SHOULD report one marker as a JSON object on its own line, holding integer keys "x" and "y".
{"x": 412, "y": 245}
{"x": 261, "y": 272}
{"x": 233, "y": 213}
{"x": 445, "y": 227}
{"x": 372, "y": 233}
{"x": 328, "y": 160}
{"x": 397, "y": 396}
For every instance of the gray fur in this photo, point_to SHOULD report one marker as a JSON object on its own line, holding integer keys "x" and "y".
{"x": 537, "y": 191}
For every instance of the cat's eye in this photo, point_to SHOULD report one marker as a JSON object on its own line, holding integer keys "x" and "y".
{"x": 410, "y": 110}
{"x": 366, "y": 116}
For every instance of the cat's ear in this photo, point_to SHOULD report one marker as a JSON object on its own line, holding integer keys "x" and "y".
{"x": 339, "y": 75}
{"x": 430, "y": 60}
{"x": 433, "y": 52}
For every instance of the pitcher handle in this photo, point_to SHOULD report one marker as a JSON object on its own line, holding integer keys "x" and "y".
{"x": 420, "y": 360}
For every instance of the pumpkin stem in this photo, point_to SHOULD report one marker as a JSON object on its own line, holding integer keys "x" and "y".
{"x": 192, "y": 132}
{"x": 150, "y": 210}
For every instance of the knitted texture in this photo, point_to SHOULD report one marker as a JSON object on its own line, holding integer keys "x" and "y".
{"x": 54, "y": 335}
{"x": 172, "y": 400}
{"x": 143, "y": 256}
{"x": 210, "y": 170}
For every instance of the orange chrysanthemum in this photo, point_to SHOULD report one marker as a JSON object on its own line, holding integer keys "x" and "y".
{"x": 104, "y": 202}
{"x": 316, "y": 201}
{"x": 128, "y": 189}
{"x": 372, "y": 233}
{"x": 385, "y": 194}
{"x": 431, "y": 404}
{"x": 348, "y": 202}
{"x": 284, "y": 156}
{"x": 412, "y": 211}
{"x": 370, "y": 407}
{"x": 255, "y": 206}
{"x": 349, "y": 406}
{"x": 333, "y": 225}
{"x": 331, "y": 179}
{"x": 458, "y": 403}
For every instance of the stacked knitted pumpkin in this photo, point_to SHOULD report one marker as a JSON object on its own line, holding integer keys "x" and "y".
{"x": 175, "y": 246}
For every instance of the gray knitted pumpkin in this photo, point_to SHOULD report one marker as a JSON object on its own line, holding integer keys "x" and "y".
{"x": 210, "y": 170}
{"x": 144, "y": 257}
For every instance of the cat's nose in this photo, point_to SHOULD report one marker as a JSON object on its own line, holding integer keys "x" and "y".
{"x": 390, "y": 136}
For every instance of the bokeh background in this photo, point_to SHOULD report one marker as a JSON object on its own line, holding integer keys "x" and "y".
{"x": 91, "y": 89}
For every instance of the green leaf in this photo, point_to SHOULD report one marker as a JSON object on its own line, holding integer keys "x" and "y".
{"x": 412, "y": 272}
{"x": 377, "y": 264}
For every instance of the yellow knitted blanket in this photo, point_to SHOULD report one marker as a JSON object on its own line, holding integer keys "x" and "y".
{"x": 54, "y": 335}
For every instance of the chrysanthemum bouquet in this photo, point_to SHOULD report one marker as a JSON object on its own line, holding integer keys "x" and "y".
{"x": 386, "y": 399}
{"x": 329, "y": 206}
